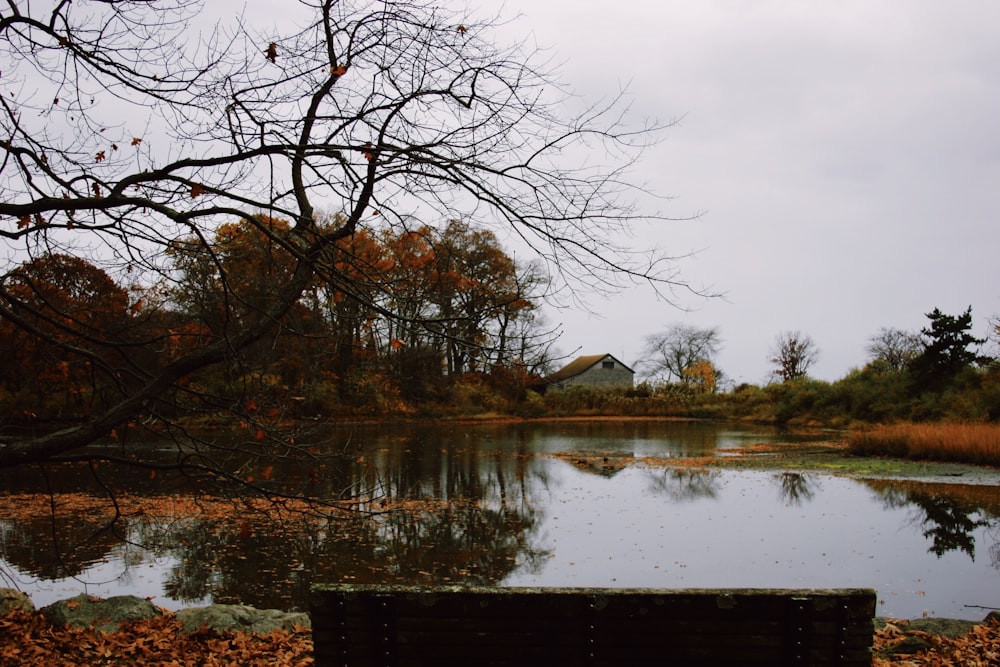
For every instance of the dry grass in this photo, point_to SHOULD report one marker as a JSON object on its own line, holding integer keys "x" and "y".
{"x": 959, "y": 442}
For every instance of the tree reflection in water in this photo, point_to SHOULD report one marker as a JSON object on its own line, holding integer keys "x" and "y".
{"x": 419, "y": 515}
{"x": 948, "y": 514}
{"x": 796, "y": 488}
{"x": 468, "y": 506}
{"x": 684, "y": 484}
{"x": 56, "y": 547}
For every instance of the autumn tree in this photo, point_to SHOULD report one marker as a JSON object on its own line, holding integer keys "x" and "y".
{"x": 353, "y": 305}
{"x": 225, "y": 284}
{"x": 672, "y": 354}
{"x": 66, "y": 334}
{"x": 128, "y": 127}
{"x": 476, "y": 293}
{"x": 520, "y": 335}
{"x": 703, "y": 376}
{"x": 793, "y": 354}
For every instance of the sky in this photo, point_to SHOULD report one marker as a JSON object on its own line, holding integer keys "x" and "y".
{"x": 844, "y": 157}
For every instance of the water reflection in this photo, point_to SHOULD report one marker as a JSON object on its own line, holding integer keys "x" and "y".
{"x": 796, "y": 487}
{"x": 424, "y": 514}
{"x": 493, "y": 505}
{"x": 684, "y": 484}
{"x": 947, "y": 520}
{"x": 56, "y": 547}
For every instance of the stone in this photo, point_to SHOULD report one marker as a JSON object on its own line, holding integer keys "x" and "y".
{"x": 241, "y": 618}
{"x": 108, "y": 615}
{"x": 12, "y": 599}
{"x": 909, "y": 645}
{"x": 948, "y": 627}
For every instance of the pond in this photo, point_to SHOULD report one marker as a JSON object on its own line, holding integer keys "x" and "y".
{"x": 556, "y": 504}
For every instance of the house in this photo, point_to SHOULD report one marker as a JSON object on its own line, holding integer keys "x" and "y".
{"x": 595, "y": 370}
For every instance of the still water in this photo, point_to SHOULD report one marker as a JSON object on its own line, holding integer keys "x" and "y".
{"x": 562, "y": 504}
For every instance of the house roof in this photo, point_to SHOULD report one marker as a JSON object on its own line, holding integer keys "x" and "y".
{"x": 579, "y": 365}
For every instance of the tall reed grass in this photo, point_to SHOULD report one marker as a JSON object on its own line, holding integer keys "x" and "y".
{"x": 947, "y": 441}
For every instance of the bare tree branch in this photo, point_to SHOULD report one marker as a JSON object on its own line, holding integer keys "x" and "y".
{"x": 129, "y": 139}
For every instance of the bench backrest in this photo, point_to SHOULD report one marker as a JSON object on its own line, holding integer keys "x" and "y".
{"x": 444, "y": 626}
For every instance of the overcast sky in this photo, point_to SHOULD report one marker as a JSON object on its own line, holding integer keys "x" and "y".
{"x": 846, "y": 156}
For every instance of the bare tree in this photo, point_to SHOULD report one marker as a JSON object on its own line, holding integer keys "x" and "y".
{"x": 668, "y": 355}
{"x": 894, "y": 348}
{"x": 792, "y": 355}
{"x": 124, "y": 131}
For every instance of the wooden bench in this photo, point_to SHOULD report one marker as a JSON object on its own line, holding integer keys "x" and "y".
{"x": 451, "y": 626}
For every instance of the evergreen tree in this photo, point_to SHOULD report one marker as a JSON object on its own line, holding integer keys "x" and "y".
{"x": 946, "y": 349}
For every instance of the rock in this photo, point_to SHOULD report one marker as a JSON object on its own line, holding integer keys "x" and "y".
{"x": 85, "y": 611}
{"x": 241, "y": 618}
{"x": 942, "y": 626}
{"x": 12, "y": 599}
{"x": 909, "y": 645}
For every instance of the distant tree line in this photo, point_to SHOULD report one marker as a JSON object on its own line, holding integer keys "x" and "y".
{"x": 936, "y": 373}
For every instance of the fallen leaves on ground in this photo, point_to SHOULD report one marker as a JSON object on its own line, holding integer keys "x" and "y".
{"x": 979, "y": 648}
{"x": 28, "y": 639}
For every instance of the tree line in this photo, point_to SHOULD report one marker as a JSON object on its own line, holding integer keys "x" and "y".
{"x": 938, "y": 372}
{"x": 459, "y": 305}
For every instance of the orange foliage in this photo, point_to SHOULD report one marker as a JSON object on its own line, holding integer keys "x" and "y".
{"x": 979, "y": 648}
{"x": 29, "y": 640}
{"x": 702, "y": 375}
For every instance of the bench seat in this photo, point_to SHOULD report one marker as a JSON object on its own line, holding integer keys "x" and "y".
{"x": 450, "y": 626}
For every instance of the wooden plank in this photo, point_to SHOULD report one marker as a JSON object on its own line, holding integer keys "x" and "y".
{"x": 394, "y": 625}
